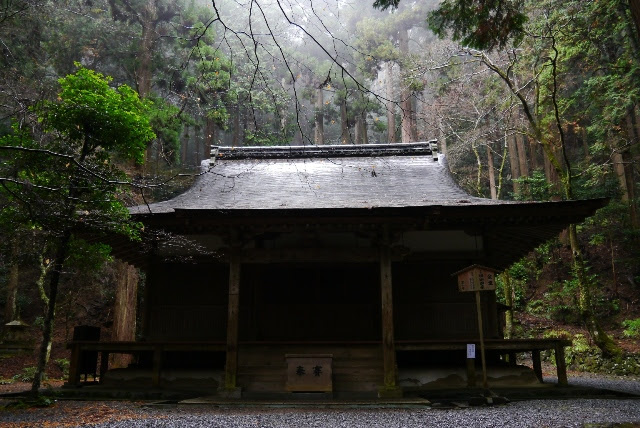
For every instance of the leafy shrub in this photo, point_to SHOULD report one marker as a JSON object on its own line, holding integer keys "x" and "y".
{"x": 631, "y": 328}
{"x": 26, "y": 375}
{"x": 536, "y": 307}
{"x": 63, "y": 363}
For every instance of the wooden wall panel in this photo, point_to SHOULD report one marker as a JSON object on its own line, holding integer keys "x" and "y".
{"x": 188, "y": 302}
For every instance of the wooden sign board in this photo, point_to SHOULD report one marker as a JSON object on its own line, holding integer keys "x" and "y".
{"x": 309, "y": 372}
{"x": 476, "y": 278}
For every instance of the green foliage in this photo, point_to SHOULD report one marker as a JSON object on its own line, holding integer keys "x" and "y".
{"x": 64, "y": 169}
{"x": 167, "y": 125}
{"x": 631, "y": 328}
{"x": 63, "y": 363}
{"x": 263, "y": 138}
{"x": 87, "y": 256}
{"x": 480, "y": 24}
{"x": 534, "y": 187}
{"x": 26, "y": 375}
{"x": 89, "y": 114}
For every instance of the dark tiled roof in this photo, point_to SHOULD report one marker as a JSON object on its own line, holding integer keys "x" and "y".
{"x": 333, "y": 177}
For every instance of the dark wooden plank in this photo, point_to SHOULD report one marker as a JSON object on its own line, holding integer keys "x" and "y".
{"x": 231, "y": 367}
{"x": 388, "y": 343}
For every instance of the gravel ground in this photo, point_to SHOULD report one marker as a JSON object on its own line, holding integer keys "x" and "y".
{"x": 621, "y": 384}
{"x": 574, "y": 413}
{"x": 531, "y": 413}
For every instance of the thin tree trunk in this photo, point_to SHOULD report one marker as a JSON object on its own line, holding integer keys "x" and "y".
{"x": 391, "y": 108}
{"x": 344, "y": 122}
{"x": 618, "y": 167}
{"x": 10, "y": 311}
{"x": 148, "y": 21}
{"x": 515, "y": 165}
{"x": 533, "y": 153}
{"x": 492, "y": 175}
{"x": 414, "y": 118}
{"x": 629, "y": 177}
{"x": 508, "y": 300}
{"x": 442, "y": 138}
{"x": 599, "y": 336}
{"x": 551, "y": 172}
{"x": 45, "y": 346}
{"x": 365, "y": 132}
{"x": 479, "y": 173}
{"x": 319, "y": 118}
{"x": 358, "y": 130}
{"x": 405, "y": 103}
{"x": 236, "y": 139}
{"x": 634, "y": 5}
{"x": 184, "y": 146}
{"x": 501, "y": 171}
{"x": 628, "y": 163}
{"x": 522, "y": 156}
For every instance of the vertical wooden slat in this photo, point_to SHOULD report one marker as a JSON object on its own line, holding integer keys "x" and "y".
{"x": 231, "y": 368}
{"x": 481, "y": 333}
{"x": 388, "y": 343}
{"x": 561, "y": 365}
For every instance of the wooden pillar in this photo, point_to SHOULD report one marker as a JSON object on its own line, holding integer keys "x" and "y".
{"x": 157, "y": 366}
{"x": 471, "y": 372}
{"x": 389, "y": 387}
{"x": 74, "y": 365}
{"x": 231, "y": 367}
{"x": 537, "y": 364}
{"x": 561, "y": 365}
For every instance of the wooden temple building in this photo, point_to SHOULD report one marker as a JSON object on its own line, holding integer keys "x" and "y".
{"x": 326, "y": 269}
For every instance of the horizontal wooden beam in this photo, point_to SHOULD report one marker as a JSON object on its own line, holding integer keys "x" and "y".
{"x": 318, "y": 255}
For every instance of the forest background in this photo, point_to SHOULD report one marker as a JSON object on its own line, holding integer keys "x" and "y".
{"x": 529, "y": 100}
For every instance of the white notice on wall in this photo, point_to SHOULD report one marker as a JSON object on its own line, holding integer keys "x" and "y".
{"x": 471, "y": 350}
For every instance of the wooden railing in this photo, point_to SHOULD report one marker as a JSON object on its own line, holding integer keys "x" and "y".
{"x": 157, "y": 349}
{"x": 504, "y": 346}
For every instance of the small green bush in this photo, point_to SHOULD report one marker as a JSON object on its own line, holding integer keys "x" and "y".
{"x": 631, "y": 328}
{"x": 26, "y": 375}
{"x": 63, "y": 363}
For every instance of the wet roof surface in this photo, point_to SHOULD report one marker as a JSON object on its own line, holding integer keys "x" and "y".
{"x": 360, "y": 180}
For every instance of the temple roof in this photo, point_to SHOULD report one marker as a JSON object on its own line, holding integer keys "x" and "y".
{"x": 402, "y": 186}
{"x": 321, "y": 177}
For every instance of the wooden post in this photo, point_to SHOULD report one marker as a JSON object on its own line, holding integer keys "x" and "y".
{"x": 231, "y": 368}
{"x": 561, "y": 365}
{"x": 104, "y": 364}
{"x": 481, "y": 332}
{"x": 471, "y": 372}
{"x": 74, "y": 365}
{"x": 389, "y": 387}
{"x": 537, "y": 364}
{"x": 157, "y": 366}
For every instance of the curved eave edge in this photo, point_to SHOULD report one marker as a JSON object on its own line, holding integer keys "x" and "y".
{"x": 571, "y": 211}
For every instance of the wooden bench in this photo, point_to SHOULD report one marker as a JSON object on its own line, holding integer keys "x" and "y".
{"x": 504, "y": 346}
{"x": 157, "y": 349}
